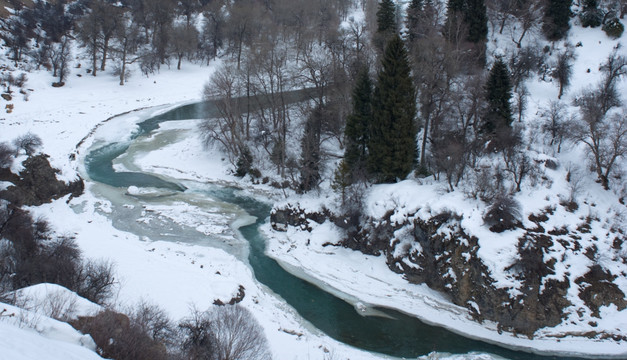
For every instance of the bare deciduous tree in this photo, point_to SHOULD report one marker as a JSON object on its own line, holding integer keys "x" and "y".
{"x": 564, "y": 70}
{"x": 28, "y": 142}
{"x": 223, "y": 333}
{"x": 606, "y": 142}
{"x": 228, "y": 129}
{"x": 237, "y": 335}
{"x": 556, "y": 123}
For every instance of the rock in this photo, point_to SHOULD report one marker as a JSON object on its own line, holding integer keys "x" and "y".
{"x": 598, "y": 290}
{"x": 37, "y": 184}
{"x": 6, "y": 96}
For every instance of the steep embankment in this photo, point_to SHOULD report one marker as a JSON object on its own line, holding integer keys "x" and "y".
{"x": 559, "y": 274}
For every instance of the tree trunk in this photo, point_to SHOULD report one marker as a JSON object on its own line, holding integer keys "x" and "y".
{"x": 123, "y": 63}
{"x": 105, "y": 49}
{"x": 94, "y": 59}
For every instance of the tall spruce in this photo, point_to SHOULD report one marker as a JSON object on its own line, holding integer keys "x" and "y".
{"x": 473, "y": 16}
{"x": 556, "y": 19}
{"x": 386, "y": 17}
{"x": 392, "y": 142}
{"x": 413, "y": 18}
{"x": 357, "y": 126}
{"x": 498, "y": 94}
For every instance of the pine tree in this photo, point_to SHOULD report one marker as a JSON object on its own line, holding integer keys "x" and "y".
{"x": 499, "y": 94}
{"x": 357, "y": 126}
{"x": 557, "y": 17}
{"x": 386, "y": 17}
{"x": 392, "y": 143}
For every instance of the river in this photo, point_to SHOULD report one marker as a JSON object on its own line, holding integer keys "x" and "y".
{"x": 395, "y": 334}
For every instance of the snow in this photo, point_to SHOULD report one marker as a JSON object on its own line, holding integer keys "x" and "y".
{"x": 28, "y": 335}
{"x": 54, "y": 301}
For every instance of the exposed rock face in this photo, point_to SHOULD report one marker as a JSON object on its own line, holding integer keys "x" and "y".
{"x": 37, "y": 183}
{"x": 438, "y": 252}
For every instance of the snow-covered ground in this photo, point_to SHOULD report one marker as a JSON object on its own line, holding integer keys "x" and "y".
{"x": 175, "y": 276}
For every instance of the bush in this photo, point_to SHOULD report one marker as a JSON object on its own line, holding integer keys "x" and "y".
{"x": 244, "y": 163}
{"x": 95, "y": 280}
{"x": 6, "y": 155}
{"x": 613, "y": 28}
{"x": 30, "y": 253}
{"x": 504, "y": 214}
{"x": 118, "y": 337}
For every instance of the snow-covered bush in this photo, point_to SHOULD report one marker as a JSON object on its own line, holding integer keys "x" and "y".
{"x": 504, "y": 214}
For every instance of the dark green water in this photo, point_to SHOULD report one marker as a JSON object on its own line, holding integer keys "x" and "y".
{"x": 400, "y": 335}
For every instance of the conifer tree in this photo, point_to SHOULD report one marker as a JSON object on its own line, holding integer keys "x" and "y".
{"x": 392, "y": 143}
{"x": 475, "y": 16}
{"x": 386, "y": 17}
{"x": 557, "y": 17}
{"x": 413, "y": 17}
{"x": 499, "y": 94}
{"x": 357, "y": 125}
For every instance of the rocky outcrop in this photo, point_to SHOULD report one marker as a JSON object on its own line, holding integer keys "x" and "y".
{"x": 37, "y": 183}
{"x": 438, "y": 252}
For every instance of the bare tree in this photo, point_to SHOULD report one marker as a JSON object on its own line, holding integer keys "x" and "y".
{"x": 518, "y": 165}
{"x": 237, "y": 334}
{"x": 184, "y": 42}
{"x": 127, "y": 39}
{"x": 90, "y": 35}
{"x": 606, "y": 142}
{"x": 527, "y": 13}
{"x": 213, "y": 29}
{"x": 28, "y": 142}
{"x": 556, "y": 123}
{"x": 564, "y": 70}
{"x": 223, "y": 333}
{"x": 228, "y": 129}
{"x": 60, "y": 56}
{"x": 521, "y": 95}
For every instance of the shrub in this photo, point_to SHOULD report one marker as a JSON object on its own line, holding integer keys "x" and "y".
{"x": 95, "y": 280}
{"x": 118, "y": 337}
{"x": 244, "y": 163}
{"x": 613, "y": 28}
{"x": 503, "y": 214}
{"x": 6, "y": 155}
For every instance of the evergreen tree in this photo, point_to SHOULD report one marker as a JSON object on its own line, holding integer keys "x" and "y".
{"x": 392, "y": 142}
{"x": 557, "y": 17}
{"x": 386, "y": 17}
{"x": 310, "y": 154}
{"x": 475, "y": 16}
{"x": 357, "y": 126}
{"x": 499, "y": 94}
{"x": 413, "y": 17}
